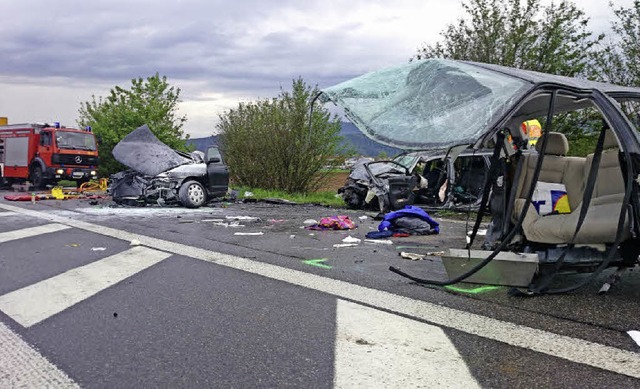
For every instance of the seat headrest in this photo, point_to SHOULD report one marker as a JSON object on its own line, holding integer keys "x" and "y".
{"x": 557, "y": 144}
{"x": 610, "y": 140}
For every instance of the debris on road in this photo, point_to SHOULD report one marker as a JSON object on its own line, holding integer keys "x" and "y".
{"x": 340, "y": 222}
{"x": 351, "y": 239}
{"x": 420, "y": 257}
{"x": 343, "y": 245}
{"x": 248, "y": 233}
{"x": 98, "y": 248}
{"x": 378, "y": 241}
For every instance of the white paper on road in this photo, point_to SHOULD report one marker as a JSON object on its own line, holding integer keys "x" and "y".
{"x": 37, "y": 302}
{"x": 376, "y": 349}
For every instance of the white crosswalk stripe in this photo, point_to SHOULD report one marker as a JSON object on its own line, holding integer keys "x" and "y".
{"x": 3, "y": 214}
{"x": 22, "y": 366}
{"x": 377, "y": 349}
{"x": 32, "y": 231}
{"x": 35, "y": 303}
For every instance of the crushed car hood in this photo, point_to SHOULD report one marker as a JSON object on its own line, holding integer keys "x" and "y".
{"x": 143, "y": 152}
{"x": 439, "y": 103}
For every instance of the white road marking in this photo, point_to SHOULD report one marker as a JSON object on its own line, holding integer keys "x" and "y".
{"x": 572, "y": 349}
{"x": 7, "y": 214}
{"x": 377, "y": 349}
{"x": 37, "y": 302}
{"x": 31, "y": 231}
{"x": 22, "y": 366}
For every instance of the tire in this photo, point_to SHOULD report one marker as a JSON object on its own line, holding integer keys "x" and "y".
{"x": 192, "y": 194}
{"x": 37, "y": 177}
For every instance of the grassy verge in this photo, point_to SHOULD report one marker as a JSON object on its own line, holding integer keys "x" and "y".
{"x": 323, "y": 198}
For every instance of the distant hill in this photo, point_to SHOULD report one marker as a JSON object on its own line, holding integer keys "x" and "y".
{"x": 353, "y": 139}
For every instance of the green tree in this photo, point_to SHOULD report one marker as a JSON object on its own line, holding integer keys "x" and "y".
{"x": 519, "y": 33}
{"x": 619, "y": 60}
{"x": 274, "y": 144}
{"x": 150, "y": 101}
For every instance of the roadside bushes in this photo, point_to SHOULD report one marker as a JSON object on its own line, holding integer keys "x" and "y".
{"x": 269, "y": 143}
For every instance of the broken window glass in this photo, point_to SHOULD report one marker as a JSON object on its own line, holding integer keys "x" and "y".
{"x": 427, "y": 104}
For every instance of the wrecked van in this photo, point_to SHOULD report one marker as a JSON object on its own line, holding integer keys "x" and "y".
{"x": 430, "y": 179}
{"x": 161, "y": 175}
{"x": 572, "y": 213}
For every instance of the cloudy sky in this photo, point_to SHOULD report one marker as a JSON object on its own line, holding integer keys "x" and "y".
{"x": 56, "y": 54}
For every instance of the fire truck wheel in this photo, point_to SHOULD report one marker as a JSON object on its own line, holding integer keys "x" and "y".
{"x": 192, "y": 194}
{"x": 37, "y": 177}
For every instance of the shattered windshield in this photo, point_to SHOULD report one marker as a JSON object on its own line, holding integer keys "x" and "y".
{"x": 75, "y": 140}
{"x": 426, "y": 104}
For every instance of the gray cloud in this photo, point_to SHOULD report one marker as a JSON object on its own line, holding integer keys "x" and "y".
{"x": 220, "y": 50}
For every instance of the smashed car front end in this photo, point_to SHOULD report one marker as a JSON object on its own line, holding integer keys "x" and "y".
{"x": 156, "y": 171}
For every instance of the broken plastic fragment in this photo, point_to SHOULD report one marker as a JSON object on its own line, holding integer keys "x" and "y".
{"x": 378, "y": 241}
{"x": 310, "y": 222}
{"x": 342, "y": 245}
{"x": 351, "y": 239}
{"x": 249, "y": 233}
{"x": 412, "y": 256}
{"x": 98, "y": 248}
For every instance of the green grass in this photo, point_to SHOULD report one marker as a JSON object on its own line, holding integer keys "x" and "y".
{"x": 322, "y": 198}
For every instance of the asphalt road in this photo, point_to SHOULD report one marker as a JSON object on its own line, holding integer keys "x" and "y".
{"x": 192, "y": 303}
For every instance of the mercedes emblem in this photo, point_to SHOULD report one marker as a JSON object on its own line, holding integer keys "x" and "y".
{"x": 78, "y": 159}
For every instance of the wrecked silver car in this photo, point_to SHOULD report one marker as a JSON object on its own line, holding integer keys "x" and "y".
{"x": 431, "y": 179}
{"x": 571, "y": 213}
{"x": 161, "y": 175}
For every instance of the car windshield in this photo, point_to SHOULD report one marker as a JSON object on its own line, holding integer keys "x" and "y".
{"x": 75, "y": 140}
{"x": 427, "y": 104}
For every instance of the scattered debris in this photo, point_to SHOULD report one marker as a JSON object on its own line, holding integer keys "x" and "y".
{"x": 364, "y": 217}
{"x": 248, "y": 194}
{"x": 98, "y": 248}
{"x": 291, "y": 236}
{"x": 481, "y": 232}
{"x": 310, "y": 222}
{"x": 249, "y": 233}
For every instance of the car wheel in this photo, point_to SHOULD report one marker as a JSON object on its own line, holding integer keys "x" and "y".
{"x": 192, "y": 194}
{"x": 37, "y": 177}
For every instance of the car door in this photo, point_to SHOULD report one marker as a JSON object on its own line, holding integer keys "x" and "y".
{"x": 217, "y": 172}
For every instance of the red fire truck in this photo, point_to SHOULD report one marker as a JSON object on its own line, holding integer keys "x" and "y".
{"x": 44, "y": 154}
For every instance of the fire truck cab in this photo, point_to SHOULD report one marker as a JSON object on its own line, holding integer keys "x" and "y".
{"x": 43, "y": 154}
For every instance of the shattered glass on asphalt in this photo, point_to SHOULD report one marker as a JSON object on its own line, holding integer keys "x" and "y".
{"x": 427, "y": 104}
{"x": 146, "y": 154}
